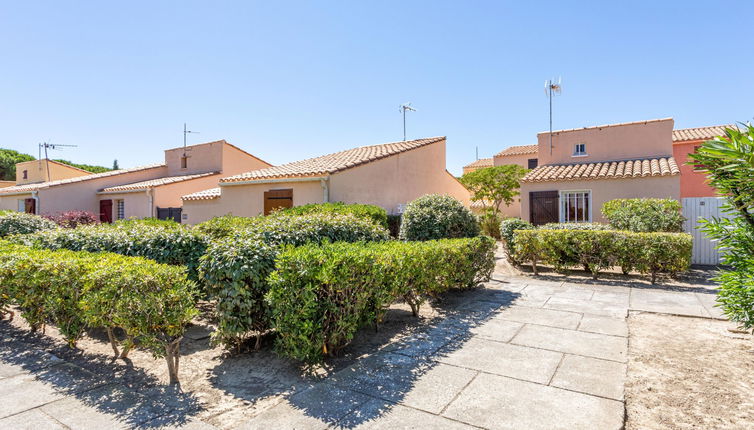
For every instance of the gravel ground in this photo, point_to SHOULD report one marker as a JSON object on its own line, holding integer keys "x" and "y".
{"x": 688, "y": 373}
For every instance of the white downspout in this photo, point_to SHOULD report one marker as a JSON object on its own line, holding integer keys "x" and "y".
{"x": 325, "y": 189}
{"x": 35, "y": 196}
{"x": 150, "y": 202}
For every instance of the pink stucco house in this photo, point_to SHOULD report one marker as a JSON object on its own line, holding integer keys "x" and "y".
{"x": 153, "y": 190}
{"x": 685, "y": 142}
{"x": 387, "y": 175}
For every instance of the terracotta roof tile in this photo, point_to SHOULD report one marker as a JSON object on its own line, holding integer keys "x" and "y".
{"x": 332, "y": 163}
{"x": 620, "y": 124}
{"x": 605, "y": 170}
{"x": 143, "y": 185}
{"x": 482, "y": 162}
{"x": 212, "y": 193}
{"x": 27, "y": 188}
{"x": 700, "y": 133}
{"x": 518, "y": 150}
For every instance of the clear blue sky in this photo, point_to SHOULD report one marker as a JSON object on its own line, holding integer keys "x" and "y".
{"x": 291, "y": 80}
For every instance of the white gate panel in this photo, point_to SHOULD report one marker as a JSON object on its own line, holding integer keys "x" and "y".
{"x": 694, "y": 210}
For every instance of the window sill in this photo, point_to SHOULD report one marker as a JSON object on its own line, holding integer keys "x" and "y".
{"x": 580, "y": 155}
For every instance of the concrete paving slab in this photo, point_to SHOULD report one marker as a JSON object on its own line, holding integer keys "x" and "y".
{"x": 667, "y": 302}
{"x": 575, "y": 293}
{"x": 546, "y": 317}
{"x": 591, "y": 376}
{"x": 604, "y": 325}
{"x": 31, "y": 420}
{"x": 504, "y": 359}
{"x": 390, "y": 417}
{"x": 538, "y": 290}
{"x": 497, "y": 402}
{"x": 586, "y": 307}
{"x": 25, "y": 361}
{"x": 573, "y": 342}
{"x": 434, "y": 390}
{"x": 23, "y": 392}
{"x": 616, "y": 298}
{"x": 530, "y": 302}
{"x": 497, "y": 329}
{"x": 709, "y": 301}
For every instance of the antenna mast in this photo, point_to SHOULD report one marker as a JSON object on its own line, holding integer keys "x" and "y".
{"x": 185, "y": 132}
{"x": 52, "y": 146}
{"x": 552, "y": 89}
{"x": 403, "y": 108}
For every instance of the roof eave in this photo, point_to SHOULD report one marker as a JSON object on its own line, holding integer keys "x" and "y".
{"x": 275, "y": 180}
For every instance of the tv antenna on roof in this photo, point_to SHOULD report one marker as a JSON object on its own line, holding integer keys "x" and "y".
{"x": 185, "y": 132}
{"x": 403, "y": 108}
{"x": 552, "y": 89}
{"x": 53, "y": 146}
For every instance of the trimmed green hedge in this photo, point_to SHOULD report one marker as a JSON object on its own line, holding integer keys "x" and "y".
{"x": 320, "y": 295}
{"x": 372, "y": 212}
{"x": 22, "y": 223}
{"x": 644, "y": 215}
{"x": 652, "y": 253}
{"x": 507, "y": 228}
{"x": 151, "y": 302}
{"x": 224, "y": 226}
{"x": 163, "y": 243}
{"x": 235, "y": 269}
{"x": 575, "y": 226}
{"x": 435, "y": 216}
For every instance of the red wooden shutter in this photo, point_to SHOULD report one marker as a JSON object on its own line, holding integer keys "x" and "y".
{"x": 30, "y": 206}
{"x": 106, "y": 211}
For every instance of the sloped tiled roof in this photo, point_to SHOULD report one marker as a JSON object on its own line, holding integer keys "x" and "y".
{"x": 332, "y": 163}
{"x": 41, "y": 185}
{"x": 155, "y": 182}
{"x": 627, "y": 169}
{"x": 619, "y": 124}
{"x": 518, "y": 150}
{"x": 478, "y": 164}
{"x": 212, "y": 193}
{"x": 700, "y": 133}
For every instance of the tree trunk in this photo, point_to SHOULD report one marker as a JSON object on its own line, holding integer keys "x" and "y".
{"x": 258, "y": 344}
{"x": 534, "y": 266}
{"x": 129, "y": 346}
{"x": 113, "y": 341}
{"x": 172, "y": 356}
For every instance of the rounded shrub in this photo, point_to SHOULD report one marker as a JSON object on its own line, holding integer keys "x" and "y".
{"x": 644, "y": 215}
{"x": 507, "y": 228}
{"x": 73, "y": 219}
{"x": 374, "y": 213}
{"x": 23, "y": 223}
{"x": 436, "y": 216}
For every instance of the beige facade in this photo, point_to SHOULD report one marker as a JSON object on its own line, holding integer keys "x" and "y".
{"x": 140, "y": 190}
{"x": 36, "y": 171}
{"x": 4, "y": 184}
{"x": 388, "y": 181}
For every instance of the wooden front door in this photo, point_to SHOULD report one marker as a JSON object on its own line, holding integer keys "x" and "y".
{"x": 543, "y": 207}
{"x": 30, "y": 206}
{"x": 277, "y": 199}
{"x": 106, "y": 211}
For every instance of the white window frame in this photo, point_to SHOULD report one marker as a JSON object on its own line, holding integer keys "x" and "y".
{"x": 21, "y": 205}
{"x": 120, "y": 209}
{"x": 576, "y": 152}
{"x": 563, "y": 201}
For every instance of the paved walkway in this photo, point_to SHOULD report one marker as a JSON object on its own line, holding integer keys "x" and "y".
{"x": 520, "y": 353}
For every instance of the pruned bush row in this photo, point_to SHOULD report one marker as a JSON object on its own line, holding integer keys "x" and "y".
{"x": 507, "y": 233}
{"x": 644, "y": 215}
{"x": 151, "y": 302}
{"x": 161, "y": 243}
{"x": 235, "y": 270}
{"x": 320, "y": 295}
{"x": 371, "y": 212}
{"x": 575, "y": 226}
{"x": 22, "y": 223}
{"x": 595, "y": 250}
{"x": 73, "y": 219}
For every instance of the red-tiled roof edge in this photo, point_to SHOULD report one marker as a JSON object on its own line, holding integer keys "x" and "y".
{"x": 518, "y": 150}
{"x": 618, "y": 124}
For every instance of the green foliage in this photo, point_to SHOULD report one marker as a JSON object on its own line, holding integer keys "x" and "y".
{"x": 160, "y": 242}
{"x": 8, "y": 160}
{"x": 597, "y": 250}
{"x": 129, "y": 223}
{"x": 151, "y": 302}
{"x": 437, "y": 217}
{"x": 729, "y": 161}
{"x": 493, "y": 186}
{"x": 394, "y": 225}
{"x": 321, "y": 295}
{"x": 224, "y": 226}
{"x": 644, "y": 215}
{"x": 73, "y": 219}
{"x": 22, "y": 223}
{"x": 374, "y": 213}
{"x": 489, "y": 223}
{"x": 507, "y": 227}
{"x": 87, "y": 167}
{"x": 575, "y": 226}
{"x": 236, "y": 268}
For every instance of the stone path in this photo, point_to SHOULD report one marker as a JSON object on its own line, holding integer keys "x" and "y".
{"x": 520, "y": 353}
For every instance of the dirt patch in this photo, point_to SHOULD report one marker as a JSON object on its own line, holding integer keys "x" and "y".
{"x": 688, "y": 373}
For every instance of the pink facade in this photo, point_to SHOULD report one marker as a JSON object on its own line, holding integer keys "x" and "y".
{"x": 694, "y": 182}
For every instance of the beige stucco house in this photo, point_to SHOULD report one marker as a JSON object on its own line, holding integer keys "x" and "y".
{"x": 388, "y": 175}
{"x": 587, "y": 167}
{"x": 147, "y": 191}
{"x": 478, "y": 164}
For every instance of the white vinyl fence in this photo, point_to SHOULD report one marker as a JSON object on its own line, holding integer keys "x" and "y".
{"x": 695, "y": 209}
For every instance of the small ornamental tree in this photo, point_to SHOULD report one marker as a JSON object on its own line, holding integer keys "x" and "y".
{"x": 493, "y": 186}
{"x": 729, "y": 161}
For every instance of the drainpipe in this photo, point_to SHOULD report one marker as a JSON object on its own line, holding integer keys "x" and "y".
{"x": 35, "y": 196}
{"x": 325, "y": 189}
{"x": 150, "y": 201}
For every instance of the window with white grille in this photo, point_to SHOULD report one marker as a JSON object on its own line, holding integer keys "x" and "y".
{"x": 579, "y": 150}
{"x": 576, "y": 206}
{"x": 121, "y": 209}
